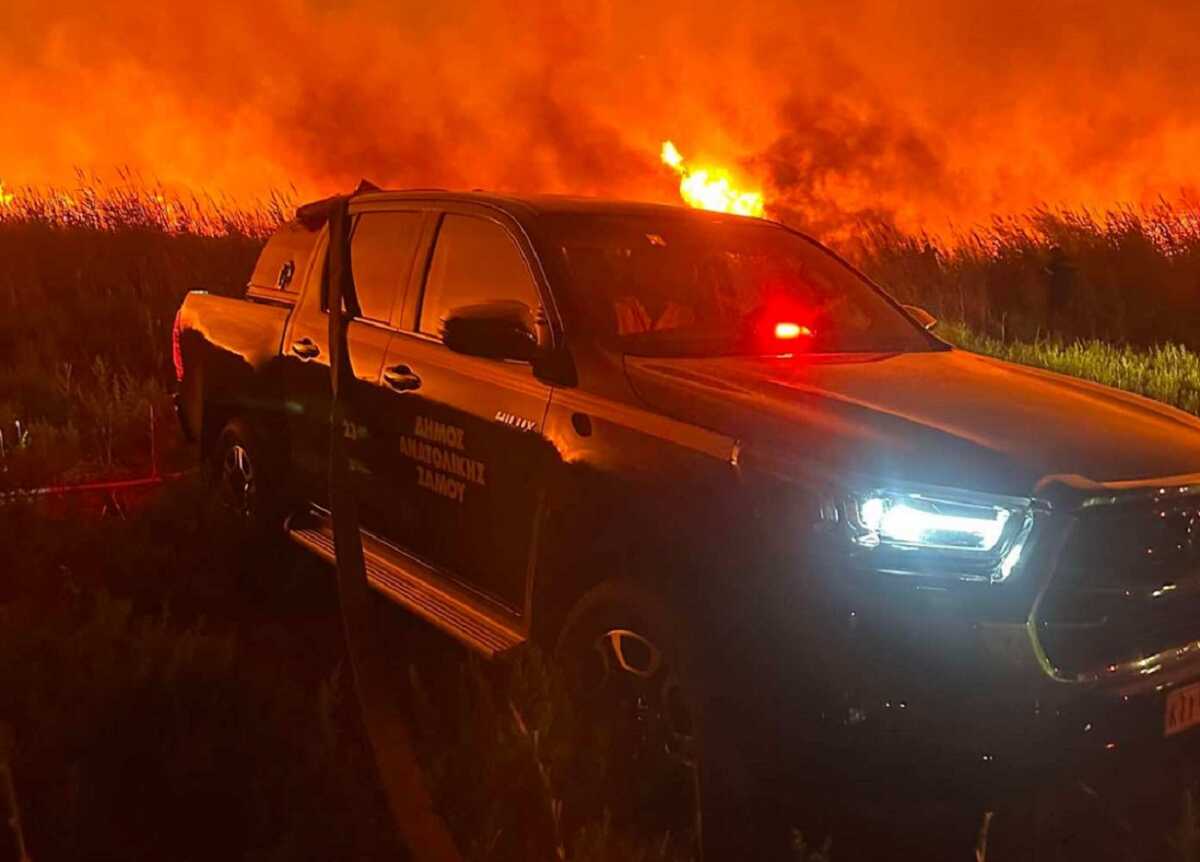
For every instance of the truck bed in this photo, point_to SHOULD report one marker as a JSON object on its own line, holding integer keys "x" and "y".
{"x": 228, "y": 352}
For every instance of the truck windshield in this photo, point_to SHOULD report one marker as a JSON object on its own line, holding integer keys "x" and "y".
{"x": 695, "y": 285}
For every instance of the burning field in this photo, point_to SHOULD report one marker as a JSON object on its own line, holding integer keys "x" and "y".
{"x": 971, "y": 158}
{"x": 934, "y": 116}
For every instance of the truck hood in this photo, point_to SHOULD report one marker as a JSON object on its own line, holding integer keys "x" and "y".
{"x": 945, "y": 417}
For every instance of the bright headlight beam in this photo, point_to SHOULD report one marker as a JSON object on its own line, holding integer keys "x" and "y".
{"x": 911, "y": 524}
{"x": 904, "y": 523}
{"x": 943, "y": 532}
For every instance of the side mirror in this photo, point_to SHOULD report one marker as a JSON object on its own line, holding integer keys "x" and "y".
{"x": 926, "y": 320}
{"x": 494, "y": 330}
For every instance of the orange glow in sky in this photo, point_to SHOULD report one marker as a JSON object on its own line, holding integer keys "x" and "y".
{"x": 925, "y": 115}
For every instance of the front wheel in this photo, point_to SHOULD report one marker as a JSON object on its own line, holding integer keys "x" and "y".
{"x": 640, "y": 701}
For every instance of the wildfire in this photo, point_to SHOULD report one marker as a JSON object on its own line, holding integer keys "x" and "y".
{"x": 710, "y": 188}
{"x": 6, "y": 197}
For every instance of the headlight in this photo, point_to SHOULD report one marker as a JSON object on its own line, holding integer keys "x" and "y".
{"x": 938, "y": 531}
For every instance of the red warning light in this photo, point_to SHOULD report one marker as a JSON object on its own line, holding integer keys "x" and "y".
{"x": 786, "y": 330}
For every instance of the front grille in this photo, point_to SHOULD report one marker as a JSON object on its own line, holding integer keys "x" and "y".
{"x": 1127, "y": 583}
{"x": 1134, "y": 544}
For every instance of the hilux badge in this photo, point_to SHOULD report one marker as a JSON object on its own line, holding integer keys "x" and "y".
{"x": 518, "y": 422}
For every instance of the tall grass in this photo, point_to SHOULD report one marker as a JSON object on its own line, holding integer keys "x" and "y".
{"x": 133, "y": 203}
{"x": 1130, "y": 276}
{"x": 92, "y": 275}
{"x": 90, "y": 282}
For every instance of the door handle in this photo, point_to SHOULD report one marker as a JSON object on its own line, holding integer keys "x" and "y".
{"x": 401, "y": 378}
{"x": 306, "y": 348}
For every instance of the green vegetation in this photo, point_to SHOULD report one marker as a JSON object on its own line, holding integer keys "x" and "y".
{"x": 515, "y": 771}
{"x": 1166, "y": 372}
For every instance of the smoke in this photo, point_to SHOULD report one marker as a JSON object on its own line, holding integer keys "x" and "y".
{"x": 837, "y": 165}
{"x": 924, "y": 114}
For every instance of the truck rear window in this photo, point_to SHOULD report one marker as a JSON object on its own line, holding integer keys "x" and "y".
{"x": 286, "y": 251}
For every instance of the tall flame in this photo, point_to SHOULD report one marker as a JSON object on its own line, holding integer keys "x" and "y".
{"x": 710, "y": 188}
{"x": 6, "y": 197}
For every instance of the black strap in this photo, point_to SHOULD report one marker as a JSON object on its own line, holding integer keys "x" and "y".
{"x": 422, "y": 831}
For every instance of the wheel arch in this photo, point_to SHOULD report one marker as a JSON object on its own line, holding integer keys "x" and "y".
{"x": 602, "y": 536}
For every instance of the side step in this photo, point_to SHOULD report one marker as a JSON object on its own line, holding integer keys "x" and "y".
{"x": 413, "y": 584}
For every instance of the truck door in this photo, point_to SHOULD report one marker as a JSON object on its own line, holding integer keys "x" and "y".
{"x": 465, "y": 444}
{"x": 383, "y": 246}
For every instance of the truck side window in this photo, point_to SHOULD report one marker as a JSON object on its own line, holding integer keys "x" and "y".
{"x": 475, "y": 261}
{"x": 381, "y": 254}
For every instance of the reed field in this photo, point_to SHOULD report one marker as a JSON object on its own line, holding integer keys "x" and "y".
{"x": 1129, "y": 276}
{"x": 89, "y": 286}
{"x": 156, "y": 685}
{"x": 93, "y": 274}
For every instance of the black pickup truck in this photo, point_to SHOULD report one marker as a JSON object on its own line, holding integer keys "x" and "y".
{"x": 816, "y": 548}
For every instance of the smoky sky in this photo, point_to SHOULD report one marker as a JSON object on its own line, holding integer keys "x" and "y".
{"x": 926, "y": 113}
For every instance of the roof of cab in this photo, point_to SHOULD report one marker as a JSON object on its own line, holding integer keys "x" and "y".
{"x": 532, "y": 204}
{"x": 527, "y": 205}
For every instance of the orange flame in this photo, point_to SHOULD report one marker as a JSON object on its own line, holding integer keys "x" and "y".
{"x": 6, "y": 197}
{"x": 710, "y": 188}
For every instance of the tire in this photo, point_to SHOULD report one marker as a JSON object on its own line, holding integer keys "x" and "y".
{"x": 646, "y": 658}
{"x": 244, "y": 481}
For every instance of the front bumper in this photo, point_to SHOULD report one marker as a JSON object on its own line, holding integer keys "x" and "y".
{"x": 978, "y": 705}
{"x": 987, "y": 691}
{"x": 926, "y": 723}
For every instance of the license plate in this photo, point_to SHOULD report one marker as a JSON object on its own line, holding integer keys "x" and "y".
{"x": 1183, "y": 709}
